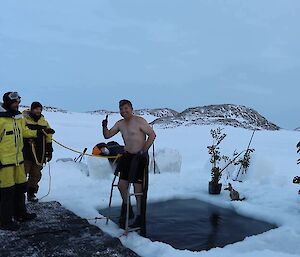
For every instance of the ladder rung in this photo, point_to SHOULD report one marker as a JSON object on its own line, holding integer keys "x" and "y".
{"x": 136, "y": 194}
{"x": 133, "y": 229}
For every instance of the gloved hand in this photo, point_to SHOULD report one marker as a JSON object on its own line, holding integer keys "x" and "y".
{"x": 296, "y": 180}
{"x": 49, "y": 131}
{"x": 105, "y": 122}
{"x": 48, "y": 156}
{"x": 40, "y": 133}
{"x": 49, "y": 150}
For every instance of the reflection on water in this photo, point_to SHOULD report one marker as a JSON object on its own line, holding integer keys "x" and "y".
{"x": 214, "y": 221}
{"x": 196, "y": 225}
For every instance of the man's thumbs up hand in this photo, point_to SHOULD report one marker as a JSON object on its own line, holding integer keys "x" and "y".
{"x": 105, "y": 122}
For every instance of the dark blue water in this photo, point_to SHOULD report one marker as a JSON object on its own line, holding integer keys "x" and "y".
{"x": 195, "y": 225}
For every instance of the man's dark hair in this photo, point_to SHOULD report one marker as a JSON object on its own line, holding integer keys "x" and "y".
{"x": 123, "y": 102}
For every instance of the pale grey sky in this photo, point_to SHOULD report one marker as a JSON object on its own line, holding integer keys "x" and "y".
{"x": 86, "y": 55}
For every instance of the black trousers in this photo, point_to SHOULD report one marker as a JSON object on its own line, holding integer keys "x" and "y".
{"x": 12, "y": 202}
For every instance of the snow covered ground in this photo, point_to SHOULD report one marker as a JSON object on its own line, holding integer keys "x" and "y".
{"x": 270, "y": 194}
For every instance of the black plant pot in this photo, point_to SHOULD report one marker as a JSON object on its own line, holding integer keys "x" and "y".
{"x": 214, "y": 189}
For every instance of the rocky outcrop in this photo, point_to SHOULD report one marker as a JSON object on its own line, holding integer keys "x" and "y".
{"x": 224, "y": 114}
{"x": 59, "y": 232}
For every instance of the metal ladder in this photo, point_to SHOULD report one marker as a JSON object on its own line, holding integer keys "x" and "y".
{"x": 143, "y": 194}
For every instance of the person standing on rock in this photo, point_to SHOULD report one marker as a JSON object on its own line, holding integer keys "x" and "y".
{"x": 37, "y": 150}
{"x": 138, "y": 137}
{"x": 13, "y": 181}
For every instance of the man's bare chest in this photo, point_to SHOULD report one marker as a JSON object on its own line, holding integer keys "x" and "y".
{"x": 131, "y": 129}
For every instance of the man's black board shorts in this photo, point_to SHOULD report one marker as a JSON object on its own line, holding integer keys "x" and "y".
{"x": 132, "y": 167}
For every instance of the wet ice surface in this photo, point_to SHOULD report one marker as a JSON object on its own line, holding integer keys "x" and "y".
{"x": 59, "y": 232}
{"x": 196, "y": 225}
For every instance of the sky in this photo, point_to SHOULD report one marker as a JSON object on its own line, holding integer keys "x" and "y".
{"x": 87, "y": 55}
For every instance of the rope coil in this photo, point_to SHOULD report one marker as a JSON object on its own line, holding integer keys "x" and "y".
{"x": 87, "y": 154}
{"x": 41, "y": 163}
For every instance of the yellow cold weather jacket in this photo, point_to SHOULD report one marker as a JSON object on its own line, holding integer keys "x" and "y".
{"x": 42, "y": 146}
{"x": 40, "y": 123}
{"x": 12, "y": 132}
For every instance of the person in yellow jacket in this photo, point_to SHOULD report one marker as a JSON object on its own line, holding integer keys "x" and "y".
{"x": 37, "y": 150}
{"x": 13, "y": 181}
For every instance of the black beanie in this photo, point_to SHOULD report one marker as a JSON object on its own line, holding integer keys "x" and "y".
{"x": 35, "y": 105}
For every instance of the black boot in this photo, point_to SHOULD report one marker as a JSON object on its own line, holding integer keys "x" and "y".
{"x": 12, "y": 226}
{"x": 122, "y": 219}
{"x": 31, "y": 195}
{"x": 25, "y": 217}
{"x": 21, "y": 213}
{"x": 7, "y": 209}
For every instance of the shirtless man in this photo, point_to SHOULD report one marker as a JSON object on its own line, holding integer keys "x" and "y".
{"x": 138, "y": 137}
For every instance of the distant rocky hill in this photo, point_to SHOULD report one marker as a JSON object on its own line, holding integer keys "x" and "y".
{"x": 224, "y": 114}
{"x": 45, "y": 108}
{"x": 102, "y": 112}
{"x": 158, "y": 112}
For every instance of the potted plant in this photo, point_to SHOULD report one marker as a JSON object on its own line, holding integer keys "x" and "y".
{"x": 214, "y": 187}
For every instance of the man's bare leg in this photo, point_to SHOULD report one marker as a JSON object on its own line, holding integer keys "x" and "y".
{"x": 123, "y": 187}
{"x": 138, "y": 188}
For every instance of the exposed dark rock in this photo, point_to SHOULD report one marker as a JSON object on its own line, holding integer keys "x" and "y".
{"x": 59, "y": 232}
